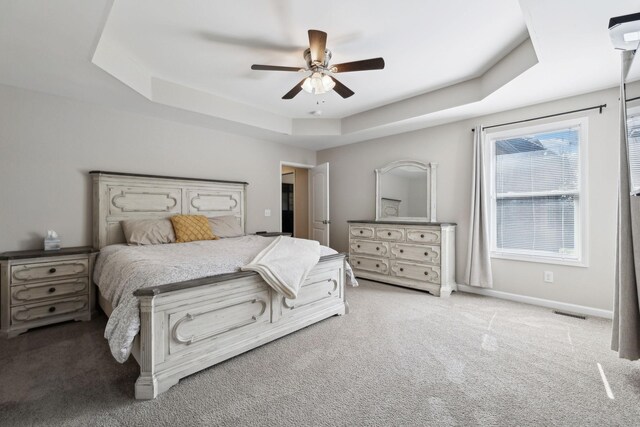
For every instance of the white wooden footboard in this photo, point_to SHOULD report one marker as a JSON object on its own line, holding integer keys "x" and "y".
{"x": 189, "y": 326}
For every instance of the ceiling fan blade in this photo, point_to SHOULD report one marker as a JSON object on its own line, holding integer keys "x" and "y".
{"x": 364, "y": 65}
{"x": 317, "y": 45}
{"x": 342, "y": 90}
{"x": 274, "y": 68}
{"x": 296, "y": 90}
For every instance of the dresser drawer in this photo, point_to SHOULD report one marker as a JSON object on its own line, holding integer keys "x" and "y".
{"x": 392, "y": 234}
{"x": 423, "y": 235}
{"x": 22, "y": 273}
{"x": 419, "y": 272}
{"x": 370, "y": 247}
{"x": 43, "y": 310}
{"x": 361, "y": 231}
{"x": 419, "y": 253}
{"x": 23, "y": 294}
{"x": 372, "y": 265}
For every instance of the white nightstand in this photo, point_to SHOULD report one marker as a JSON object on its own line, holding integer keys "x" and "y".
{"x": 40, "y": 287}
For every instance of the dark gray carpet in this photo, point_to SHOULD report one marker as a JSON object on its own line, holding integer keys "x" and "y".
{"x": 401, "y": 357}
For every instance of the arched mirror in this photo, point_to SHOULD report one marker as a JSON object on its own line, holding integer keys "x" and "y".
{"x": 406, "y": 191}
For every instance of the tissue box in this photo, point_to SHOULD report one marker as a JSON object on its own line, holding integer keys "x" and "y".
{"x": 51, "y": 244}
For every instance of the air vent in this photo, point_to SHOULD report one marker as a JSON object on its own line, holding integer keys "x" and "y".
{"x": 577, "y": 316}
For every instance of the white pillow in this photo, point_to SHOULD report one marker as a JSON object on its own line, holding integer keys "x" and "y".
{"x": 148, "y": 231}
{"x": 225, "y": 226}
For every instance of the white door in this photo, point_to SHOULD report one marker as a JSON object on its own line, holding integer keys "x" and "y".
{"x": 319, "y": 203}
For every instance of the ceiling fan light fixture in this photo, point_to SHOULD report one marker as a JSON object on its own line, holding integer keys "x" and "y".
{"x": 318, "y": 83}
{"x": 318, "y": 59}
{"x": 306, "y": 86}
{"x": 327, "y": 82}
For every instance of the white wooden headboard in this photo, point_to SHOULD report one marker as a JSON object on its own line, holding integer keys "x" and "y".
{"x": 119, "y": 196}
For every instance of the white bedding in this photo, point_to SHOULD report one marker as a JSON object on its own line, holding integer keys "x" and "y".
{"x": 276, "y": 268}
{"x": 121, "y": 269}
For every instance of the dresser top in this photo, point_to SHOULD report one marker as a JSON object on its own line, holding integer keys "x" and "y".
{"x": 373, "y": 221}
{"x": 41, "y": 253}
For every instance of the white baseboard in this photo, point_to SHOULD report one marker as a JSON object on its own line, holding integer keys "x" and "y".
{"x": 562, "y": 306}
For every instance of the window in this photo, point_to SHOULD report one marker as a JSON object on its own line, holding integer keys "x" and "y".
{"x": 537, "y": 192}
{"x": 633, "y": 128}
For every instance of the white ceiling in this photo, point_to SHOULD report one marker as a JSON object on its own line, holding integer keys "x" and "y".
{"x": 210, "y": 45}
{"x": 190, "y": 60}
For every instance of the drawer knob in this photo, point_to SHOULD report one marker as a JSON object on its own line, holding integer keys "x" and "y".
{"x": 426, "y": 254}
{"x": 377, "y": 248}
{"x": 52, "y": 290}
{"x": 426, "y": 273}
{"x": 52, "y": 270}
{"x": 402, "y": 269}
{"x": 389, "y": 233}
{"x": 358, "y": 245}
{"x": 377, "y": 265}
{"x": 401, "y": 251}
{"x": 360, "y": 231}
{"x": 358, "y": 262}
{"x": 52, "y": 309}
{"x": 422, "y": 236}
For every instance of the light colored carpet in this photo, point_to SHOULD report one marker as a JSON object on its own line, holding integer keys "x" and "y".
{"x": 401, "y": 357}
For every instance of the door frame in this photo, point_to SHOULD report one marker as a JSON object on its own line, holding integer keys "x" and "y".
{"x": 293, "y": 165}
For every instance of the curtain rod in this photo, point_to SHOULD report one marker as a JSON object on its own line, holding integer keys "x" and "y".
{"x": 632, "y": 99}
{"x": 595, "y": 107}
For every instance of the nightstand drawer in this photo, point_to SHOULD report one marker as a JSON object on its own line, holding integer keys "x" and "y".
{"x": 23, "y": 294}
{"x": 39, "y": 311}
{"x": 22, "y": 273}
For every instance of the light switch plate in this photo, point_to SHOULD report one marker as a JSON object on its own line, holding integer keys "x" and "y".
{"x": 267, "y": 212}
{"x": 548, "y": 276}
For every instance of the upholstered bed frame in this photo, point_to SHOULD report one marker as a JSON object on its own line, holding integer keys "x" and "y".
{"x": 189, "y": 326}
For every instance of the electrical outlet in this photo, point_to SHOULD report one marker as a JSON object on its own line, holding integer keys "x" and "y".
{"x": 548, "y": 276}
{"x": 267, "y": 212}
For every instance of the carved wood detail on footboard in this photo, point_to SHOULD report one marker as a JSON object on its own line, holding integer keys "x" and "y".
{"x": 187, "y": 329}
{"x": 214, "y": 321}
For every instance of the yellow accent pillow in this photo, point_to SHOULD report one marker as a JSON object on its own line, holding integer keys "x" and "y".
{"x": 190, "y": 228}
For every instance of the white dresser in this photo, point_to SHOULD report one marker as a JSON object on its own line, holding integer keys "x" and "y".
{"x": 418, "y": 255}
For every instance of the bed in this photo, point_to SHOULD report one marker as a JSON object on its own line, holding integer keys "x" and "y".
{"x": 190, "y": 325}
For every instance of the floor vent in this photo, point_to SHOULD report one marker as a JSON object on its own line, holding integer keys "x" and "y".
{"x": 577, "y": 316}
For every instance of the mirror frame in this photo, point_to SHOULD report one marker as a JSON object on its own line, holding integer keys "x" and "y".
{"x": 431, "y": 189}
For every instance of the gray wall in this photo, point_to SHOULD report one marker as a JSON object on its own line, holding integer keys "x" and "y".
{"x": 450, "y": 145}
{"x": 49, "y": 143}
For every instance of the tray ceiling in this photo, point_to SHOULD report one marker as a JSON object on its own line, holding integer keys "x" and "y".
{"x": 191, "y": 60}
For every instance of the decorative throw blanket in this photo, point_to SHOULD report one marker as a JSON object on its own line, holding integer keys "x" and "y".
{"x": 286, "y": 263}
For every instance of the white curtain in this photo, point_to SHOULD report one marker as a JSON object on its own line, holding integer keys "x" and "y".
{"x": 626, "y": 314}
{"x": 478, "y": 259}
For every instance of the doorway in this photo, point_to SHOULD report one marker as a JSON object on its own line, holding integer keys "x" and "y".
{"x": 295, "y": 201}
{"x": 305, "y": 201}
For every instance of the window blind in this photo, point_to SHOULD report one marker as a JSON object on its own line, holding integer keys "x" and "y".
{"x": 537, "y": 193}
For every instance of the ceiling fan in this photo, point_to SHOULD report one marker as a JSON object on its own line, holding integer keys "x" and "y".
{"x": 321, "y": 79}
